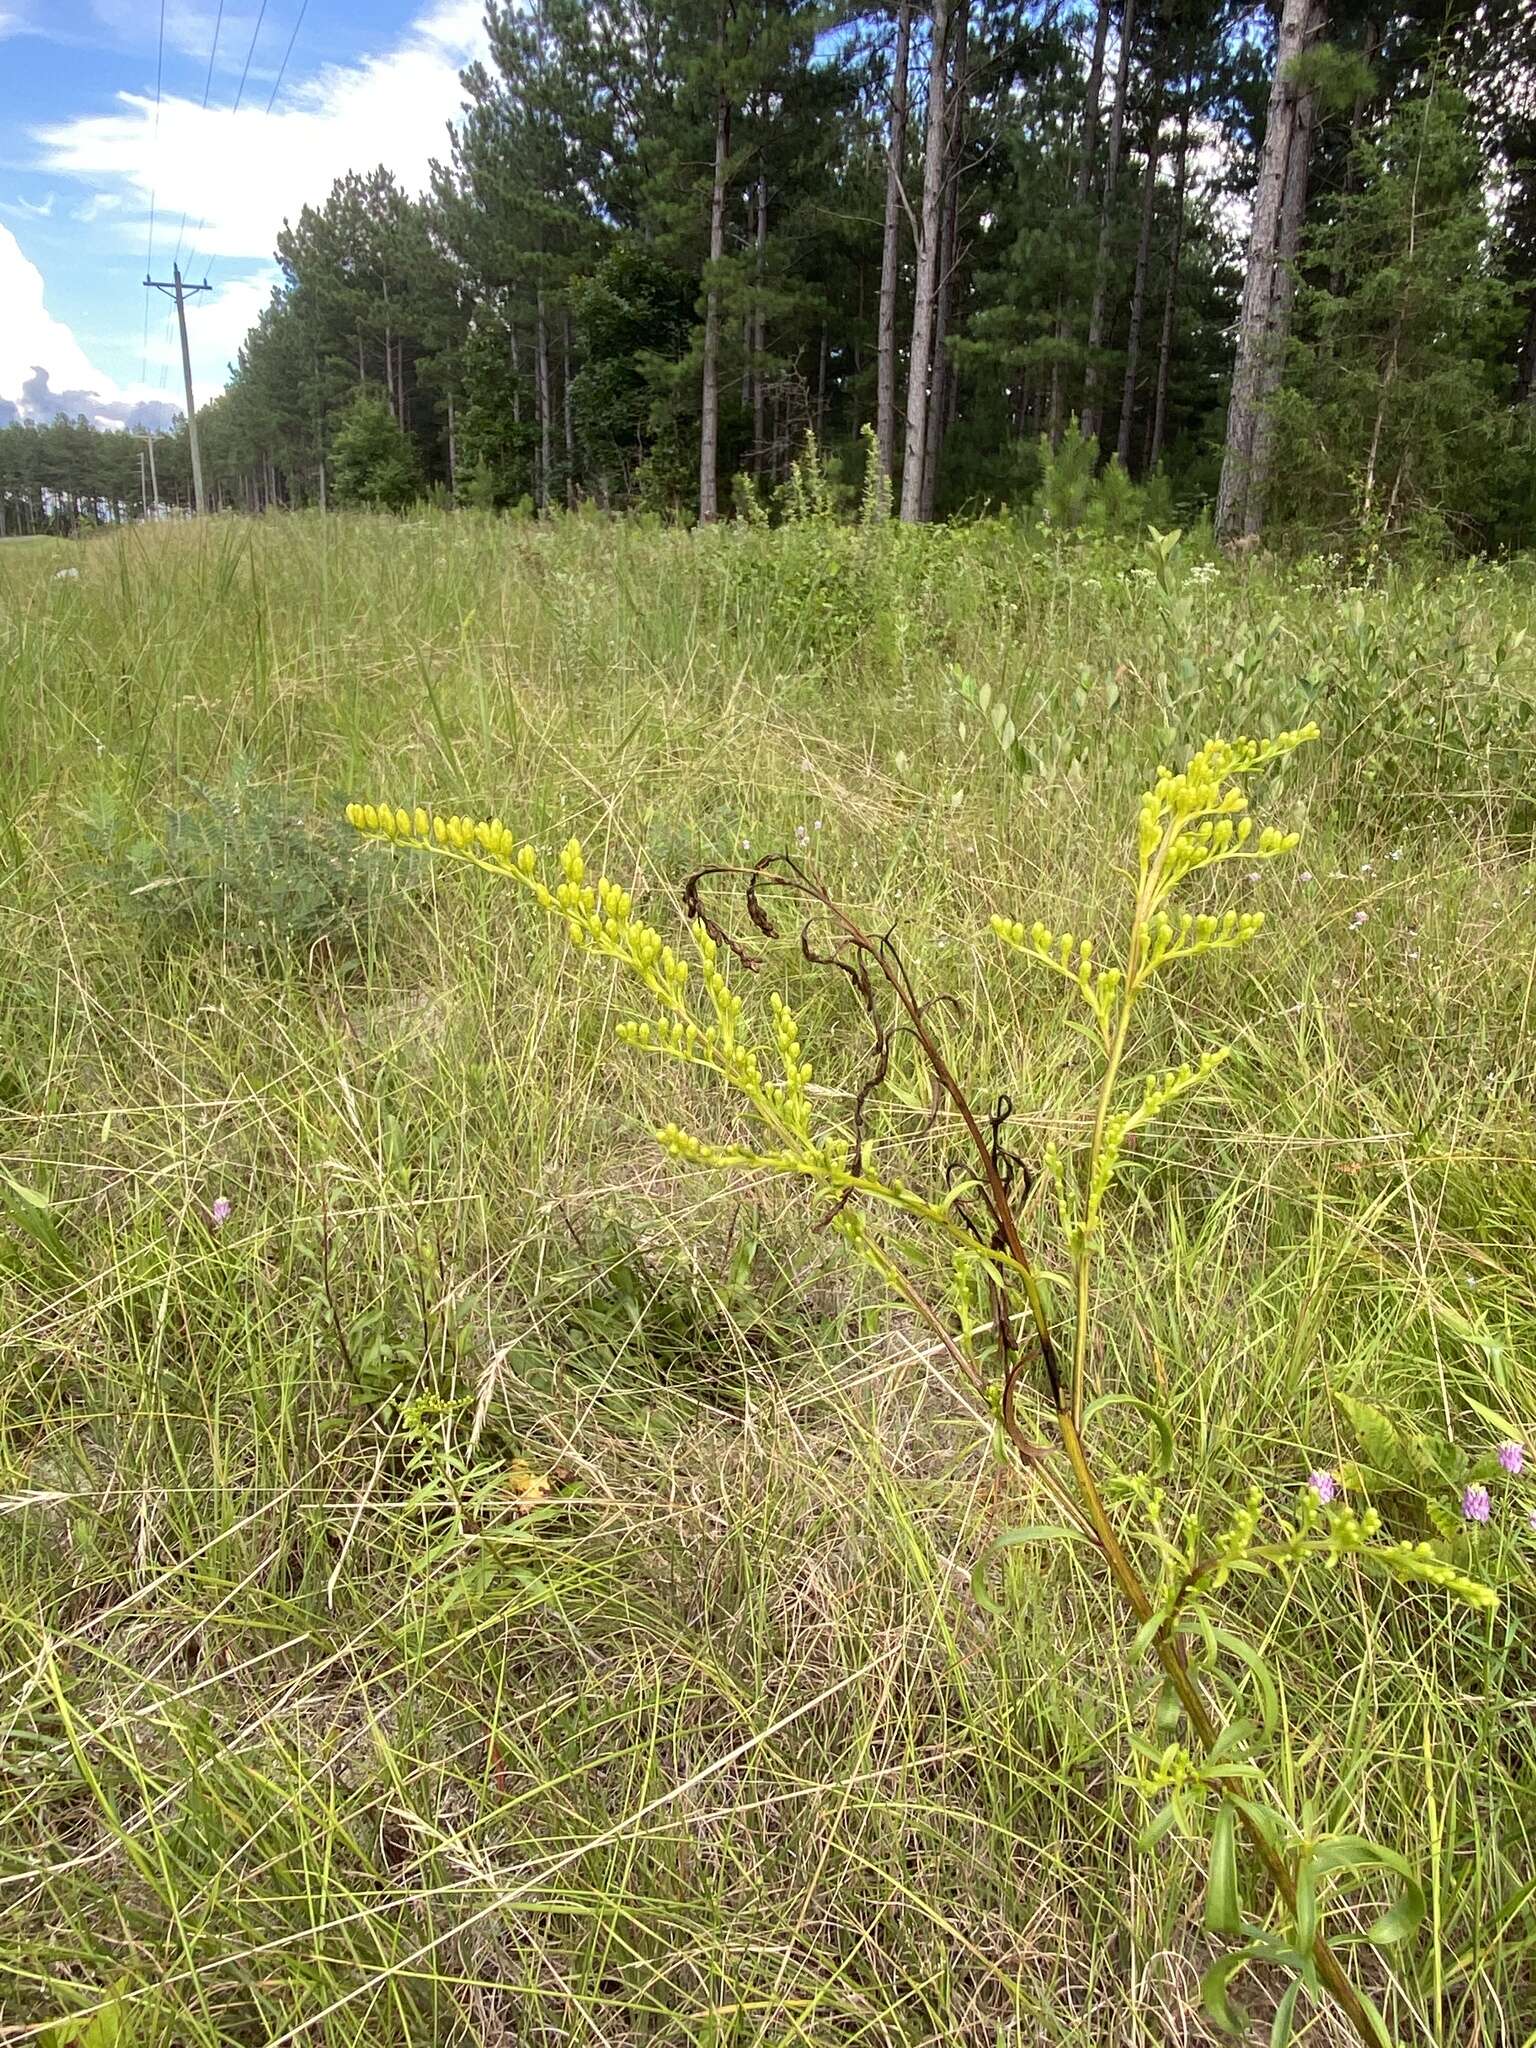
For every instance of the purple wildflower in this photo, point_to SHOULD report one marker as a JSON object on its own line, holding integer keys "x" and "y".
{"x": 1512, "y": 1457}
{"x": 1324, "y": 1485}
{"x": 220, "y": 1211}
{"x": 1474, "y": 1504}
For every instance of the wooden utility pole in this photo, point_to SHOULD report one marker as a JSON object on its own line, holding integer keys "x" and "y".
{"x": 179, "y": 292}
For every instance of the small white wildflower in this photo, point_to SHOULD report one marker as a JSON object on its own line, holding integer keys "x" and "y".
{"x": 805, "y": 769}
{"x": 1306, "y": 875}
{"x": 1397, "y": 853}
{"x": 1359, "y": 918}
{"x": 1366, "y": 868}
{"x": 1253, "y": 874}
{"x": 956, "y": 801}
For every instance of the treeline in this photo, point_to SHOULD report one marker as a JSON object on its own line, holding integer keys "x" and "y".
{"x": 69, "y": 473}
{"x": 666, "y": 241}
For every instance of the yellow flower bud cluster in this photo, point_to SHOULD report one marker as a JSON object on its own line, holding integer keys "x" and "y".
{"x": 1070, "y": 957}
{"x": 797, "y": 1069}
{"x": 1233, "y": 1547}
{"x": 1419, "y": 1563}
{"x": 1315, "y": 1535}
{"x": 684, "y": 1041}
{"x": 895, "y": 1192}
{"x": 1056, "y": 1172}
{"x": 692, "y": 1151}
{"x": 1197, "y": 799}
{"x": 486, "y": 841}
{"x": 1158, "y": 1090}
{"x": 1167, "y": 941}
{"x": 1174, "y": 1771}
{"x": 726, "y": 1003}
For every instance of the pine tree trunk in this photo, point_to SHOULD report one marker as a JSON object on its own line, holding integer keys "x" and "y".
{"x": 759, "y": 322}
{"x": 941, "y": 382}
{"x": 941, "y": 400}
{"x": 1300, "y": 22}
{"x": 568, "y": 415}
{"x": 1278, "y": 327}
{"x": 1107, "y": 222}
{"x": 709, "y": 410}
{"x": 925, "y": 295}
{"x": 1082, "y": 185}
{"x": 890, "y": 254}
{"x": 1139, "y": 282}
{"x": 1170, "y": 296}
{"x": 541, "y": 395}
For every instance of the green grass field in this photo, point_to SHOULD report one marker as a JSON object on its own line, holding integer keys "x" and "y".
{"x": 310, "y": 1729}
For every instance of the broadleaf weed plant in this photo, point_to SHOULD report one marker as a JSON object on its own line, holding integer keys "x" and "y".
{"x": 1202, "y": 1769}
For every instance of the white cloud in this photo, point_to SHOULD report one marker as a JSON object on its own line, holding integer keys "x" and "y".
{"x": 29, "y": 333}
{"x": 24, "y": 209}
{"x": 236, "y": 176}
{"x": 43, "y": 369}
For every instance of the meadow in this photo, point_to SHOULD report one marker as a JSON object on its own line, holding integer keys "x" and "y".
{"x": 467, "y": 1577}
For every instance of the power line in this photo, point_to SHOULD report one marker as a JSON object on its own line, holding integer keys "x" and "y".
{"x": 213, "y": 52}
{"x": 303, "y": 10}
{"x": 154, "y": 166}
{"x": 244, "y": 75}
{"x": 250, "y": 53}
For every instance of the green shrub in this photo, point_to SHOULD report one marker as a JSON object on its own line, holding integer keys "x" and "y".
{"x": 241, "y": 866}
{"x": 373, "y": 460}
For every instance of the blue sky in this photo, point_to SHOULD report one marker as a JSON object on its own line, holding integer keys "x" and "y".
{"x": 85, "y": 150}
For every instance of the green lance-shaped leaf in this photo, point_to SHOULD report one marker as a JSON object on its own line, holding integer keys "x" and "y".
{"x": 1223, "y": 1905}
{"x": 1159, "y": 1422}
{"x": 1355, "y": 1854}
{"x": 1013, "y": 1539}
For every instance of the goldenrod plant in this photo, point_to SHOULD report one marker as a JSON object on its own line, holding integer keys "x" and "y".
{"x": 1029, "y": 1244}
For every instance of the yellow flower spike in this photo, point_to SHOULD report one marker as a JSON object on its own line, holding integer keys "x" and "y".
{"x": 403, "y": 824}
